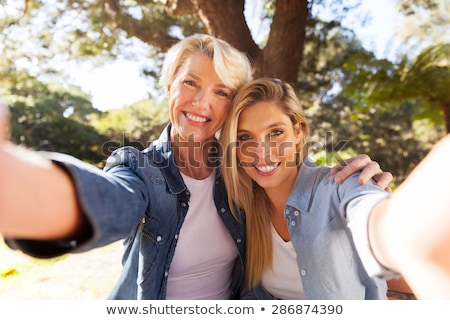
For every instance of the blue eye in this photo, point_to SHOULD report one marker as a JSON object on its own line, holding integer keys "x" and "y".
{"x": 223, "y": 93}
{"x": 244, "y": 137}
{"x": 276, "y": 132}
{"x": 190, "y": 83}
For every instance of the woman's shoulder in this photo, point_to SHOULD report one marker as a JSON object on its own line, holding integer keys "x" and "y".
{"x": 309, "y": 170}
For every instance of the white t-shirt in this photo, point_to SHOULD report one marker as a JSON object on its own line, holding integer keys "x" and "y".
{"x": 204, "y": 257}
{"x": 283, "y": 280}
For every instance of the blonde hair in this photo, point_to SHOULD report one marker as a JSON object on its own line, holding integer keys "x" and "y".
{"x": 231, "y": 65}
{"x": 243, "y": 192}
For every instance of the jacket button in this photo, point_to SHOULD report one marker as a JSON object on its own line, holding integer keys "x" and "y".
{"x": 158, "y": 238}
{"x": 238, "y": 240}
{"x": 303, "y": 272}
{"x": 222, "y": 210}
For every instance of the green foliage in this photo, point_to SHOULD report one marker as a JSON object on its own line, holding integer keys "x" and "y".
{"x": 369, "y": 105}
{"x": 382, "y": 85}
{"x": 45, "y": 117}
{"x": 136, "y": 125}
{"x": 357, "y": 104}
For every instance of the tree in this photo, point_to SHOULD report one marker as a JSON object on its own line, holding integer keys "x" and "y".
{"x": 323, "y": 59}
{"x": 47, "y": 117}
{"x": 137, "y": 125}
{"x": 428, "y": 81}
{"x": 96, "y": 26}
{"x": 378, "y": 107}
{"x": 425, "y": 23}
{"x": 423, "y": 82}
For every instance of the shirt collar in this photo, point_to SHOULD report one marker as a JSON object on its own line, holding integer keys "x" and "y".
{"x": 301, "y": 195}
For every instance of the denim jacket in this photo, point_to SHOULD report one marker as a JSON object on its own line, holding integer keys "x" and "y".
{"x": 322, "y": 218}
{"x": 140, "y": 196}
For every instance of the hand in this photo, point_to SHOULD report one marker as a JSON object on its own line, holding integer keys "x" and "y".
{"x": 369, "y": 170}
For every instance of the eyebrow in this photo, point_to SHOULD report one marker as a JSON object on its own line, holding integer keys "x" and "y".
{"x": 197, "y": 78}
{"x": 273, "y": 125}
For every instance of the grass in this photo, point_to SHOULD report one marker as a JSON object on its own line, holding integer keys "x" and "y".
{"x": 89, "y": 275}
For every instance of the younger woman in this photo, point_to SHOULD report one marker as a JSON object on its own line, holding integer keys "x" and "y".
{"x": 308, "y": 237}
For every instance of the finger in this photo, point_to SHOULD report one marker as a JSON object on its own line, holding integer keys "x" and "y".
{"x": 383, "y": 180}
{"x": 341, "y": 165}
{"x": 350, "y": 166}
{"x": 369, "y": 171}
{"x": 336, "y": 169}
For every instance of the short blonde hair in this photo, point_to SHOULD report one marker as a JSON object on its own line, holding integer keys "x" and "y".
{"x": 232, "y": 66}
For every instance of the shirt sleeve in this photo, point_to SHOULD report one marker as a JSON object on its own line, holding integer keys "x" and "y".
{"x": 358, "y": 212}
{"x": 113, "y": 204}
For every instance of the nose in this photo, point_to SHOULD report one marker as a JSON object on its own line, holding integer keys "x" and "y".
{"x": 201, "y": 99}
{"x": 257, "y": 152}
{"x": 264, "y": 150}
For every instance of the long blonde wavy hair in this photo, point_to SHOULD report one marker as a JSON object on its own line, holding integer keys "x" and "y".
{"x": 243, "y": 192}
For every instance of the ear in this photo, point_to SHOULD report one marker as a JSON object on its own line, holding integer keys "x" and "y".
{"x": 298, "y": 132}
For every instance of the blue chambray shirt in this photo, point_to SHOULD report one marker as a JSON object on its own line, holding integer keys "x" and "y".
{"x": 321, "y": 218}
{"x": 140, "y": 197}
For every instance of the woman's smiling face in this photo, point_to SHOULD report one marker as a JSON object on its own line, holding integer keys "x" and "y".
{"x": 198, "y": 100}
{"x": 267, "y": 141}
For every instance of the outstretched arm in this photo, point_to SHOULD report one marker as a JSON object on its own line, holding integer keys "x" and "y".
{"x": 37, "y": 198}
{"x": 410, "y": 232}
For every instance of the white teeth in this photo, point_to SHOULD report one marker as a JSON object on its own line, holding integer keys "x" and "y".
{"x": 196, "y": 118}
{"x": 267, "y": 168}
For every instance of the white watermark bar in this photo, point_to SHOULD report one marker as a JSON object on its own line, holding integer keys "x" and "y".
{"x": 232, "y": 310}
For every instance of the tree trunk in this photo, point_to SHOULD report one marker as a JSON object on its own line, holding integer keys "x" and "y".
{"x": 282, "y": 56}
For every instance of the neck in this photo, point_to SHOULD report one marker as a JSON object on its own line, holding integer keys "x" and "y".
{"x": 279, "y": 195}
{"x": 278, "y": 198}
{"x": 193, "y": 158}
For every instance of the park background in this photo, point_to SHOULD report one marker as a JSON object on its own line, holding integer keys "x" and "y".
{"x": 81, "y": 77}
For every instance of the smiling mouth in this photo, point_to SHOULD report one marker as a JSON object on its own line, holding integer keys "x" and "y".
{"x": 267, "y": 168}
{"x": 196, "y": 118}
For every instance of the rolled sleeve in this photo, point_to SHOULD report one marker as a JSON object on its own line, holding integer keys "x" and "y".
{"x": 358, "y": 213}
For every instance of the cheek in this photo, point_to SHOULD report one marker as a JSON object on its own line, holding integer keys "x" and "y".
{"x": 179, "y": 94}
{"x": 246, "y": 156}
{"x": 286, "y": 149}
{"x": 289, "y": 153}
{"x": 221, "y": 110}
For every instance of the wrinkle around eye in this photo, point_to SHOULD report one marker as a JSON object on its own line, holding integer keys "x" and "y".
{"x": 223, "y": 94}
{"x": 190, "y": 83}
